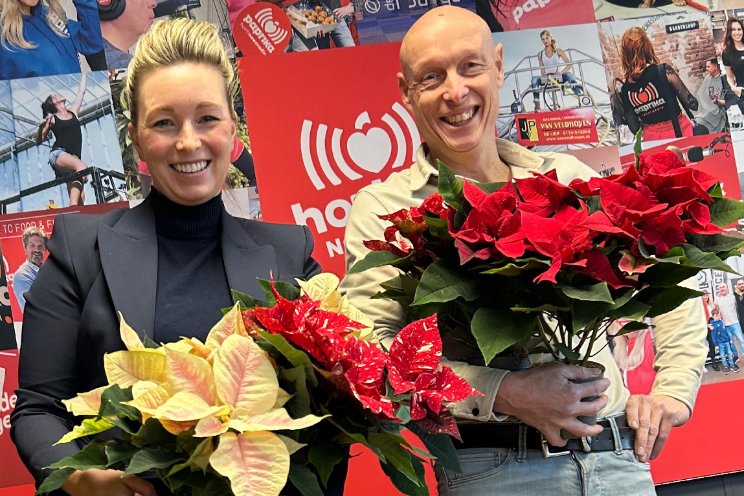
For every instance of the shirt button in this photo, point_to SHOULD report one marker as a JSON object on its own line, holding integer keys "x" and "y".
{"x": 476, "y": 411}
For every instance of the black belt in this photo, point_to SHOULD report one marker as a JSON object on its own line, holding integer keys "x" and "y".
{"x": 506, "y": 435}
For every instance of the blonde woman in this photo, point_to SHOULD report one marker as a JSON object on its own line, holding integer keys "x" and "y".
{"x": 550, "y": 58}
{"x": 37, "y": 39}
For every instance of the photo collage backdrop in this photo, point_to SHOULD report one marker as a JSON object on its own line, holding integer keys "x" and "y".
{"x": 317, "y": 126}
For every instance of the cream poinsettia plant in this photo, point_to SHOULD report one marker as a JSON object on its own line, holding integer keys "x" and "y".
{"x": 276, "y": 393}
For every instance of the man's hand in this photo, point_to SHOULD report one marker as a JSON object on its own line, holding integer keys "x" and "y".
{"x": 342, "y": 12}
{"x": 545, "y": 398}
{"x": 94, "y": 482}
{"x": 653, "y": 417}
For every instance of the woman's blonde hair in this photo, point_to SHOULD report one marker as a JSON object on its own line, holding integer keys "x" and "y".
{"x": 174, "y": 41}
{"x": 11, "y": 22}
{"x": 636, "y": 52}
{"x": 553, "y": 43}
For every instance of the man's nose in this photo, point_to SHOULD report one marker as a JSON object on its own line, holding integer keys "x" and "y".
{"x": 455, "y": 88}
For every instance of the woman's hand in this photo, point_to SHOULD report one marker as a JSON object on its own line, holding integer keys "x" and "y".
{"x": 344, "y": 11}
{"x": 737, "y": 91}
{"x": 94, "y": 482}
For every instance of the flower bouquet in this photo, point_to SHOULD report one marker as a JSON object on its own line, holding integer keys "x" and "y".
{"x": 536, "y": 266}
{"x": 272, "y": 399}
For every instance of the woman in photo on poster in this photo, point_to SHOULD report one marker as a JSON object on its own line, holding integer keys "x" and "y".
{"x": 634, "y": 354}
{"x": 168, "y": 265}
{"x": 651, "y": 94}
{"x": 37, "y": 38}
{"x": 550, "y": 58}
{"x": 66, "y": 153}
{"x": 733, "y": 59}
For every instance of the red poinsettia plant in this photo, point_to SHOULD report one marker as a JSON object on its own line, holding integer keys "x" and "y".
{"x": 535, "y": 257}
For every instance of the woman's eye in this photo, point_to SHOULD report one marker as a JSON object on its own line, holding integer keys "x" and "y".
{"x": 210, "y": 118}
{"x": 162, "y": 123}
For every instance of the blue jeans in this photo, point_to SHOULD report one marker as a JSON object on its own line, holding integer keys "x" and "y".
{"x": 734, "y": 331}
{"x": 724, "y": 350}
{"x": 496, "y": 472}
{"x": 567, "y": 77}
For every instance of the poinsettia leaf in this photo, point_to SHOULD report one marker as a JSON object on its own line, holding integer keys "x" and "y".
{"x": 295, "y": 356}
{"x": 449, "y": 186}
{"x": 716, "y": 191}
{"x": 55, "y": 480}
{"x": 726, "y": 211}
{"x": 273, "y": 420}
{"x": 663, "y": 300}
{"x": 129, "y": 336}
{"x": 247, "y": 301}
{"x": 395, "y": 453}
{"x": 403, "y": 483}
{"x": 595, "y": 292}
{"x": 631, "y": 310}
{"x": 87, "y": 427}
{"x": 489, "y": 187}
{"x": 666, "y": 275}
{"x": 255, "y": 462}
{"x": 631, "y": 326}
{"x": 715, "y": 243}
{"x": 112, "y": 403}
{"x": 439, "y": 445}
{"x": 153, "y": 433}
{"x": 119, "y": 452}
{"x": 88, "y": 403}
{"x": 703, "y": 260}
{"x": 584, "y": 313}
{"x": 438, "y": 227}
{"x": 377, "y": 259}
{"x": 515, "y": 268}
{"x": 91, "y": 456}
{"x": 127, "y": 367}
{"x": 324, "y": 457}
{"x": 567, "y": 352}
{"x": 304, "y": 480}
{"x": 149, "y": 343}
{"x": 441, "y": 283}
{"x": 285, "y": 289}
{"x": 638, "y": 146}
{"x": 148, "y": 459}
{"x": 497, "y": 329}
{"x": 190, "y": 373}
{"x": 231, "y": 323}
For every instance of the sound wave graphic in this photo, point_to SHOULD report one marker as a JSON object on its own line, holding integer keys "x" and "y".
{"x": 265, "y": 19}
{"x": 372, "y": 151}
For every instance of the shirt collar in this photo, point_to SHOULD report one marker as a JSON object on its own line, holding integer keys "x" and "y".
{"x": 518, "y": 157}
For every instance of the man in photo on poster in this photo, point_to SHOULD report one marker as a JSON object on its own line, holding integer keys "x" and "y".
{"x": 34, "y": 245}
{"x": 730, "y": 316}
{"x": 711, "y": 97}
{"x": 122, "y": 23}
{"x": 508, "y": 433}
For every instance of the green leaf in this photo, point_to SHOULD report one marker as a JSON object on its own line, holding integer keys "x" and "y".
{"x": 296, "y": 357}
{"x": 148, "y": 342}
{"x": 299, "y": 404}
{"x": 376, "y": 259}
{"x": 119, "y": 452}
{"x": 515, "y": 268}
{"x": 663, "y": 300}
{"x": 716, "y": 191}
{"x": 441, "y": 283}
{"x": 285, "y": 289}
{"x": 304, "y": 480}
{"x": 246, "y": 300}
{"x": 497, "y": 329}
{"x": 439, "y": 445}
{"x": 449, "y": 186}
{"x": 111, "y": 404}
{"x": 667, "y": 275}
{"x": 716, "y": 243}
{"x": 148, "y": 459}
{"x": 324, "y": 457}
{"x": 567, "y": 352}
{"x": 197, "y": 453}
{"x": 404, "y": 483}
{"x": 438, "y": 227}
{"x": 631, "y": 310}
{"x": 55, "y": 480}
{"x": 585, "y": 313}
{"x": 596, "y": 292}
{"x": 638, "y": 146}
{"x": 704, "y": 260}
{"x": 217, "y": 485}
{"x": 91, "y": 456}
{"x": 88, "y": 427}
{"x": 725, "y": 211}
{"x": 392, "y": 448}
{"x": 152, "y": 432}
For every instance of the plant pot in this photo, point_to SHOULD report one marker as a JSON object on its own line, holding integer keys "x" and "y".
{"x": 587, "y": 419}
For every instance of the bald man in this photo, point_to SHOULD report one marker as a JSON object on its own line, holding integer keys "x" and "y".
{"x": 452, "y": 90}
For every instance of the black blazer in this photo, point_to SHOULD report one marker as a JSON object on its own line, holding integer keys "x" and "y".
{"x": 101, "y": 264}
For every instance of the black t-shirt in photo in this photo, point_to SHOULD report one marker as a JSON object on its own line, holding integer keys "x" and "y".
{"x": 734, "y": 59}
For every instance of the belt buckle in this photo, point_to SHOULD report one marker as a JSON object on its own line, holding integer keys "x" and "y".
{"x": 546, "y": 453}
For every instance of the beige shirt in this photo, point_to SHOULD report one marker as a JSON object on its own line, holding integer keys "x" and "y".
{"x": 679, "y": 335}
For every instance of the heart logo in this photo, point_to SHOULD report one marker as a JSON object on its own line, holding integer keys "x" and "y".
{"x": 370, "y": 151}
{"x": 642, "y": 96}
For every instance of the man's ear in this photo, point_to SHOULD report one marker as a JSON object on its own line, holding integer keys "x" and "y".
{"x": 498, "y": 57}
{"x": 405, "y": 90}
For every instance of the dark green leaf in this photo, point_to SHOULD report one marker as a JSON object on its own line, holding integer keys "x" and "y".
{"x": 55, "y": 480}
{"x": 441, "y": 283}
{"x": 438, "y": 227}
{"x": 91, "y": 456}
{"x": 663, "y": 300}
{"x": 376, "y": 259}
{"x": 246, "y": 300}
{"x": 638, "y": 146}
{"x": 149, "y": 343}
{"x": 304, "y": 480}
{"x": 148, "y": 459}
{"x": 725, "y": 211}
{"x": 567, "y": 352}
{"x": 489, "y": 187}
{"x": 595, "y": 292}
{"x": 287, "y": 290}
{"x": 392, "y": 448}
{"x": 449, "y": 185}
{"x": 205, "y": 446}
{"x": 667, "y": 275}
{"x": 117, "y": 453}
{"x": 299, "y": 404}
{"x": 217, "y": 486}
{"x": 404, "y": 483}
{"x": 111, "y": 404}
{"x": 324, "y": 457}
{"x": 515, "y": 268}
{"x": 632, "y": 326}
{"x": 497, "y": 329}
{"x": 716, "y": 243}
{"x": 586, "y": 313}
{"x": 631, "y": 310}
{"x": 716, "y": 191}
{"x": 153, "y": 432}
{"x": 703, "y": 260}
{"x": 439, "y": 445}
{"x": 296, "y": 357}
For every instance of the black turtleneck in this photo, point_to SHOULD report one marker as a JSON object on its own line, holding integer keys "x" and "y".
{"x": 192, "y": 284}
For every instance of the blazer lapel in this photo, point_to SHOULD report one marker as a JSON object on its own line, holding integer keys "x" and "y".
{"x": 244, "y": 259}
{"x": 129, "y": 258}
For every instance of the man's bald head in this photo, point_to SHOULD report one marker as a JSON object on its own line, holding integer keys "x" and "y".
{"x": 437, "y": 25}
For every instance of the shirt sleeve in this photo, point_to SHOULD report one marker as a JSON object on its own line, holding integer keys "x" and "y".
{"x": 680, "y": 337}
{"x": 86, "y": 31}
{"x": 21, "y": 283}
{"x": 390, "y": 317}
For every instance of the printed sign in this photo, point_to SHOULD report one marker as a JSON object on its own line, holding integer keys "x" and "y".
{"x": 562, "y": 127}
{"x": 262, "y": 29}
